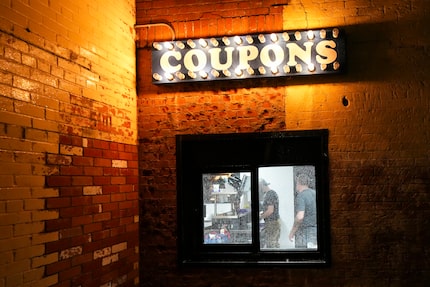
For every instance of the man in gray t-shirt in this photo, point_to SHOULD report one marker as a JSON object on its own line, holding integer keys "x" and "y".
{"x": 305, "y": 223}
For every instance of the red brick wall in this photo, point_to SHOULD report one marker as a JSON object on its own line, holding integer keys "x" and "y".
{"x": 98, "y": 212}
{"x": 376, "y": 113}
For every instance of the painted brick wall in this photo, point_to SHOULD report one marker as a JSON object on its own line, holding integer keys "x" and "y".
{"x": 68, "y": 153}
{"x": 98, "y": 212}
{"x": 376, "y": 113}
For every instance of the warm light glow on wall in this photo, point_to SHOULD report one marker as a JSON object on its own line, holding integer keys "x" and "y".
{"x": 289, "y": 53}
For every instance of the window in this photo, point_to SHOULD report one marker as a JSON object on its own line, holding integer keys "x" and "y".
{"x": 253, "y": 199}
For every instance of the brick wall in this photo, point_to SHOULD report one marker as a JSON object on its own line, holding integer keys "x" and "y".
{"x": 98, "y": 212}
{"x": 68, "y": 153}
{"x": 376, "y": 113}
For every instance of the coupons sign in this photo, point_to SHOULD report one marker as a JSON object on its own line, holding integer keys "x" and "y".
{"x": 284, "y": 54}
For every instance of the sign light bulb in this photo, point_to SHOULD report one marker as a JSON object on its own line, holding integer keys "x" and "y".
{"x": 215, "y": 73}
{"x": 274, "y": 37}
{"x": 157, "y": 46}
{"x": 261, "y": 38}
{"x": 226, "y": 73}
{"x": 191, "y": 43}
{"x": 261, "y": 70}
{"x": 180, "y": 45}
{"x": 249, "y": 39}
{"x": 335, "y": 32}
{"x": 214, "y": 42}
{"x": 238, "y": 72}
{"x": 169, "y": 76}
{"x": 157, "y": 77}
{"x": 203, "y": 43}
{"x": 336, "y": 65}
{"x": 298, "y": 36}
{"x": 237, "y": 40}
{"x": 310, "y": 35}
{"x": 180, "y": 75}
{"x": 226, "y": 41}
{"x": 169, "y": 46}
{"x": 192, "y": 75}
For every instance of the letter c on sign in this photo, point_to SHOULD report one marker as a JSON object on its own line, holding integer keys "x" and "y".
{"x": 165, "y": 63}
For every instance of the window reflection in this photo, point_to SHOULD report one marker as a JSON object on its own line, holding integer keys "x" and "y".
{"x": 227, "y": 208}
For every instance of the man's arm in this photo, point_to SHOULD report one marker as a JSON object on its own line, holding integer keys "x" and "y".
{"x": 268, "y": 211}
{"x": 297, "y": 222}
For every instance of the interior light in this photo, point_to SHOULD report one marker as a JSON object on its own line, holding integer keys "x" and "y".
{"x": 180, "y": 45}
{"x": 157, "y": 77}
{"x": 310, "y": 35}
{"x": 262, "y": 70}
{"x": 286, "y": 36}
{"x": 226, "y": 73}
{"x": 191, "y": 43}
{"x": 203, "y": 43}
{"x": 274, "y": 37}
{"x": 261, "y": 38}
{"x": 298, "y": 35}
{"x": 214, "y": 42}
{"x": 238, "y": 40}
{"x": 157, "y": 46}
{"x": 249, "y": 39}
{"x": 226, "y": 41}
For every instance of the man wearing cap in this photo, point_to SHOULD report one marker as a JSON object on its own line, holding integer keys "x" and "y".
{"x": 270, "y": 215}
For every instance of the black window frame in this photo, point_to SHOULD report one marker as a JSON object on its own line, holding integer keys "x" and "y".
{"x": 212, "y": 153}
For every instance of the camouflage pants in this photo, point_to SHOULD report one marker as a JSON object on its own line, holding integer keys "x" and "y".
{"x": 272, "y": 232}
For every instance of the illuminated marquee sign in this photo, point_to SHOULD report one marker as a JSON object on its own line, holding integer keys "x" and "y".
{"x": 289, "y": 53}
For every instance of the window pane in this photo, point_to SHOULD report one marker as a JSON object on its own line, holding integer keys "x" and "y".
{"x": 287, "y": 210}
{"x": 304, "y": 231}
{"x": 227, "y": 208}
